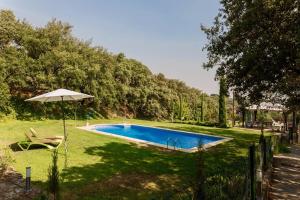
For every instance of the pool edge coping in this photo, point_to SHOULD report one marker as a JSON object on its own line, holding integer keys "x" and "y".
{"x": 191, "y": 150}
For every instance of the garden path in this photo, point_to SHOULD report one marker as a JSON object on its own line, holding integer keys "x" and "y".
{"x": 285, "y": 182}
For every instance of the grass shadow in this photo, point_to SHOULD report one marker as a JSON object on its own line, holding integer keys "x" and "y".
{"x": 130, "y": 160}
{"x": 133, "y": 171}
{"x": 137, "y": 166}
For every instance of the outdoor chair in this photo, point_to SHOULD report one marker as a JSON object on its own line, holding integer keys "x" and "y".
{"x": 277, "y": 125}
{"x": 52, "y": 143}
{"x": 35, "y": 134}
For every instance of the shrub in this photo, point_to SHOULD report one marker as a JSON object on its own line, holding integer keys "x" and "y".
{"x": 5, "y": 159}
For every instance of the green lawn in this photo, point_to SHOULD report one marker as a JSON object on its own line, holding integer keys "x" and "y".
{"x": 110, "y": 167}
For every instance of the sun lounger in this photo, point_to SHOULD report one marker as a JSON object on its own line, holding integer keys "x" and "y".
{"x": 35, "y": 134}
{"x": 52, "y": 143}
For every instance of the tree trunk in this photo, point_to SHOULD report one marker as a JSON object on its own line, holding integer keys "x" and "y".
{"x": 233, "y": 111}
{"x": 285, "y": 119}
{"x": 202, "y": 109}
{"x": 243, "y": 118}
{"x": 180, "y": 107}
{"x": 294, "y": 126}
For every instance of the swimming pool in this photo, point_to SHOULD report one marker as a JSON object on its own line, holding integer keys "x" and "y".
{"x": 179, "y": 140}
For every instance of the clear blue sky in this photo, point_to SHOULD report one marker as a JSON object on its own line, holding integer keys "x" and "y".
{"x": 163, "y": 34}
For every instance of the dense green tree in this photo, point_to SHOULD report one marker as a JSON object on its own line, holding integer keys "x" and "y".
{"x": 255, "y": 44}
{"x": 35, "y": 60}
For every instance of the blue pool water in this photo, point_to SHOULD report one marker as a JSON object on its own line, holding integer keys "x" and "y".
{"x": 171, "y": 138}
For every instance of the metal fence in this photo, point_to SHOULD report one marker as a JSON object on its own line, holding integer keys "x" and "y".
{"x": 259, "y": 167}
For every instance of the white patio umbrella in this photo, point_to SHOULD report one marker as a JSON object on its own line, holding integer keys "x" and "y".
{"x": 61, "y": 95}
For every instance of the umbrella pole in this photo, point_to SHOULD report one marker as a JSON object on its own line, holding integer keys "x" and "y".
{"x": 65, "y": 134}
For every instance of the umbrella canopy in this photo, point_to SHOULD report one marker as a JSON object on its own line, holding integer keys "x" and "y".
{"x": 60, "y": 94}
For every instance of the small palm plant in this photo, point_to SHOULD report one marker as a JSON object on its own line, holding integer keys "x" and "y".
{"x": 53, "y": 177}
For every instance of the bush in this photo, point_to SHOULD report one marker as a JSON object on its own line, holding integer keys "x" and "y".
{"x": 220, "y": 187}
{"x": 5, "y": 159}
{"x": 209, "y": 124}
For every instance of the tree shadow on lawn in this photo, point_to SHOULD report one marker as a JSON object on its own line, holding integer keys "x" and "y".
{"x": 139, "y": 165}
{"x": 126, "y": 158}
{"x": 229, "y": 157}
{"x": 239, "y": 134}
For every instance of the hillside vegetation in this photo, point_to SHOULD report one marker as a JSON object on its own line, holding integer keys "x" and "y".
{"x": 35, "y": 60}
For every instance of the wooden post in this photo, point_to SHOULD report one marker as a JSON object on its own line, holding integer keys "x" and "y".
{"x": 252, "y": 171}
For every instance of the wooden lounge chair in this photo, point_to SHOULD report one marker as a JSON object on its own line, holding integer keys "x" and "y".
{"x": 52, "y": 143}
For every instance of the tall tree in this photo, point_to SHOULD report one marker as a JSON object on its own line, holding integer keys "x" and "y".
{"x": 233, "y": 109}
{"x": 222, "y": 103}
{"x": 202, "y": 108}
{"x": 180, "y": 107}
{"x": 255, "y": 44}
{"x": 35, "y": 60}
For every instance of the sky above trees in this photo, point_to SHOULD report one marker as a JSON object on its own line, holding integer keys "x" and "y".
{"x": 164, "y": 35}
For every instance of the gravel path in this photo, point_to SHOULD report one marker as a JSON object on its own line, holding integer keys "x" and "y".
{"x": 285, "y": 182}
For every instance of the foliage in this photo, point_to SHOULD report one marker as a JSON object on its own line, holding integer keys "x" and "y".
{"x": 6, "y": 159}
{"x": 35, "y": 60}
{"x": 53, "y": 177}
{"x": 210, "y": 124}
{"x": 255, "y": 44}
{"x": 202, "y": 108}
{"x": 222, "y": 103}
{"x": 223, "y": 187}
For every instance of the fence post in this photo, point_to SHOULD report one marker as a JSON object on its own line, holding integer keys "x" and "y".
{"x": 264, "y": 154}
{"x": 252, "y": 171}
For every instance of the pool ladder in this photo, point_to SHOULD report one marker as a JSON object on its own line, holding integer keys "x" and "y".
{"x": 174, "y": 142}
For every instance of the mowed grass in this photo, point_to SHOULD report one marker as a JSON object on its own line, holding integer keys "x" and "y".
{"x": 102, "y": 167}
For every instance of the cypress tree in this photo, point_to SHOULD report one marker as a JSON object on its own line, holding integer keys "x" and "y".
{"x": 180, "y": 107}
{"x": 222, "y": 103}
{"x": 202, "y": 109}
